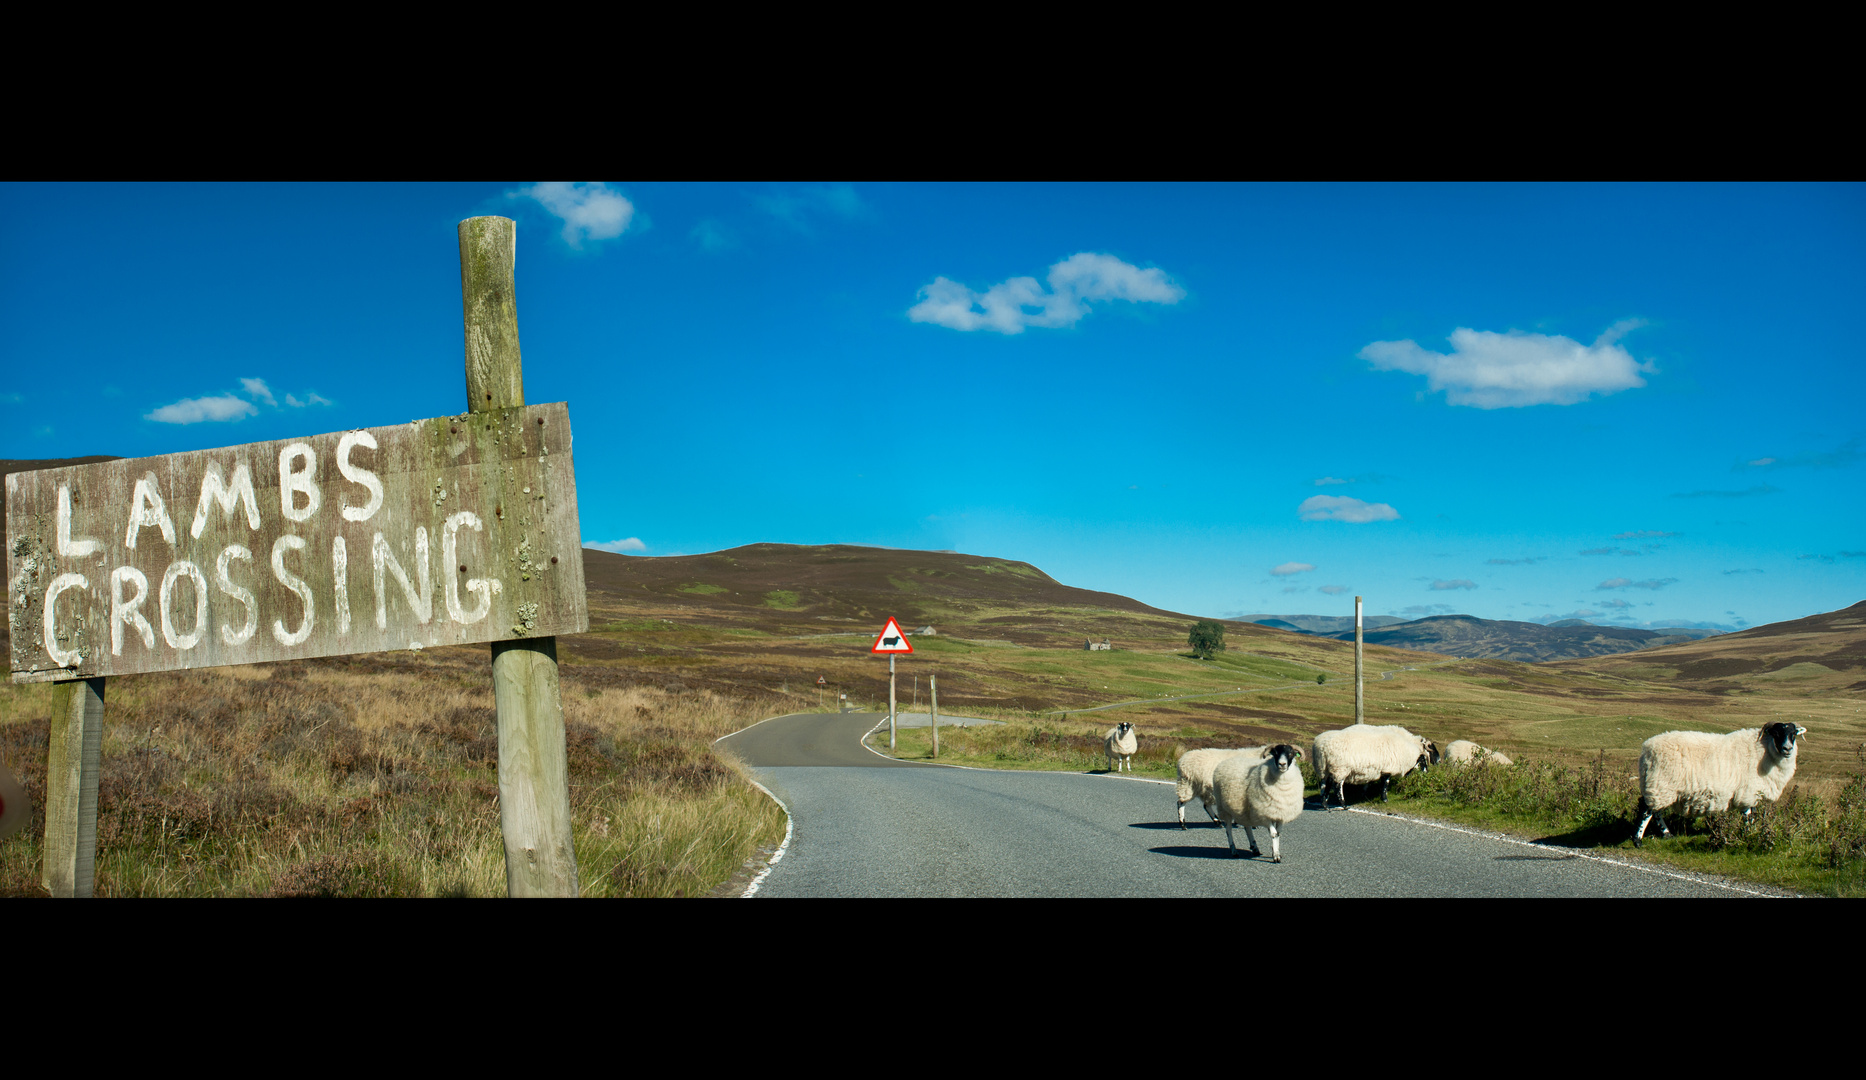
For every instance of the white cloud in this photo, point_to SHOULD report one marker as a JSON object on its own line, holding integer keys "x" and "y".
{"x": 1343, "y": 508}
{"x": 1460, "y": 583}
{"x": 1642, "y": 534}
{"x": 1333, "y": 590}
{"x": 195, "y": 410}
{"x": 630, "y": 544}
{"x": 1326, "y": 480}
{"x": 312, "y": 398}
{"x": 1074, "y": 283}
{"x": 1625, "y": 583}
{"x": 589, "y": 211}
{"x": 795, "y": 206}
{"x": 1289, "y": 568}
{"x": 1489, "y": 370}
{"x": 259, "y": 391}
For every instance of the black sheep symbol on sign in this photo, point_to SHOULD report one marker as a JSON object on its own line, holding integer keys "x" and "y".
{"x": 890, "y": 641}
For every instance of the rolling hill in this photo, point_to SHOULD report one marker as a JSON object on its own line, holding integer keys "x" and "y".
{"x": 1465, "y": 635}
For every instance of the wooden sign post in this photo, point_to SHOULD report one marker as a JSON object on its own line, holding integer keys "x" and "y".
{"x": 320, "y": 546}
{"x": 534, "y": 777}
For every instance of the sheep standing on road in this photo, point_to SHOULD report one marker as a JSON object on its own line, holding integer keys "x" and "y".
{"x": 1122, "y": 742}
{"x": 1464, "y": 752}
{"x": 1702, "y": 774}
{"x": 1365, "y": 753}
{"x": 1259, "y": 790}
{"x": 1195, "y": 777}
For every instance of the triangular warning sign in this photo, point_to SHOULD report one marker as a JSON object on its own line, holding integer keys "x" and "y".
{"x": 891, "y": 639}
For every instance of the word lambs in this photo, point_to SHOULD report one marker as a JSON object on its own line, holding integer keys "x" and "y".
{"x": 1259, "y": 790}
{"x": 1121, "y": 742}
{"x": 1701, "y": 773}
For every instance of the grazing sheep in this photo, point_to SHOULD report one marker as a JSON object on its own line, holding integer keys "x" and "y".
{"x": 1195, "y": 778}
{"x": 1259, "y": 790}
{"x": 1702, "y": 774}
{"x": 1464, "y": 751}
{"x": 1120, "y": 741}
{"x": 1365, "y": 753}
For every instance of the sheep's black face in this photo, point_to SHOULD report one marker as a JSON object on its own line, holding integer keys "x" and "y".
{"x": 1284, "y": 755}
{"x": 1780, "y": 738}
{"x": 1431, "y": 750}
{"x": 1122, "y": 729}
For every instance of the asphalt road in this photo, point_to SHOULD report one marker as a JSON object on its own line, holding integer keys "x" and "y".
{"x": 864, "y": 825}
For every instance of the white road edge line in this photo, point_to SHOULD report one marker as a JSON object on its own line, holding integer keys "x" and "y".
{"x": 790, "y": 821}
{"x": 790, "y": 825}
{"x": 1565, "y": 851}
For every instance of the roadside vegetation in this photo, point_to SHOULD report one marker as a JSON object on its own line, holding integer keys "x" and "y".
{"x": 1803, "y": 841}
{"x": 378, "y": 776}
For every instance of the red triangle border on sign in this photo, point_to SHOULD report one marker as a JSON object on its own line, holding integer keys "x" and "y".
{"x": 906, "y": 647}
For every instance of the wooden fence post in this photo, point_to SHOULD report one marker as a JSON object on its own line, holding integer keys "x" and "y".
{"x": 933, "y": 681}
{"x": 534, "y": 785}
{"x": 71, "y": 787}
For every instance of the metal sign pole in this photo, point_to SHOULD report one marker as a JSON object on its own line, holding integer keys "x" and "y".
{"x": 1359, "y": 690}
{"x": 890, "y": 701}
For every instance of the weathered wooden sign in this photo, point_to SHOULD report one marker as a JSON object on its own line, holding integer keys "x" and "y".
{"x": 446, "y": 531}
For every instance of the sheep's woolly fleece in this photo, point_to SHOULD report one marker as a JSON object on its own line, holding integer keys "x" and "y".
{"x": 1195, "y": 777}
{"x": 1265, "y": 792}
{"x": 1365, "y": 753}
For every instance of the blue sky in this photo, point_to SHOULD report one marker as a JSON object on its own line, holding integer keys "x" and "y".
{"x": 1636, "y": 404}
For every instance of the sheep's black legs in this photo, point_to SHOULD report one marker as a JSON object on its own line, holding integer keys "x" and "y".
{"x": 1646, "y": 815}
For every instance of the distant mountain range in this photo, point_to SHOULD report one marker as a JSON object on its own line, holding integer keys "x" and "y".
{"x": 1498, "y": 639}
{"x": 1321, "y": 624}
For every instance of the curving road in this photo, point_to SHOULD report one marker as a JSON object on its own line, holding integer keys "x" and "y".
{"x": 865, "y": 825}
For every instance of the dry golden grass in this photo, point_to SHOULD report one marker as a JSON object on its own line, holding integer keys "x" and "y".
{"x": 377, "y": 776}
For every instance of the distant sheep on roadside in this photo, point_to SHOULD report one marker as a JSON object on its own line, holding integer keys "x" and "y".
{"x": 1464, "y": 751}
{"x": 1195, "y": 778}
{"x": 1121, "y": 742}
{"x": 1256, "y": 791}
{"x": 1365, "y": 753}
{"x": 1701, "y": 773}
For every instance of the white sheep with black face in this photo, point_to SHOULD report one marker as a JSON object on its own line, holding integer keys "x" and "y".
{"x": 1121, "y": 742}
{"x": 1700, "y": 773}
{"x": 1365, "y": 753}
{"x": 1260, "y": 790}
